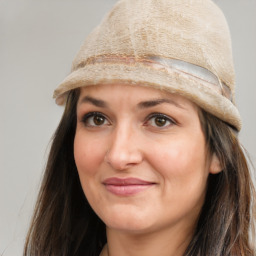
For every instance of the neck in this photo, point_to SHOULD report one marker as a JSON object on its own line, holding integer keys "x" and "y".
{"x": 165, "y": 244}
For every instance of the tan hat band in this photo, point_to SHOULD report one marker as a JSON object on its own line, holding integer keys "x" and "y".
{"x": 166, "y": 64}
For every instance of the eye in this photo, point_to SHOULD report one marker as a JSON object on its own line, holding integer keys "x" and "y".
{"x": 94, "y": 119}
{"x": 160, "y": 120}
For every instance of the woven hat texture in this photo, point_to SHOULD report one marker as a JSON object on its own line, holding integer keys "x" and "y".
{"x": 180, "y": 46}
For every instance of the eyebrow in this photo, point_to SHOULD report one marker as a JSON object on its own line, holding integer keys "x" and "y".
{"x": 141, "y": 105}
{"x": 95, "y": 102}
{"x": 153, "y": 103}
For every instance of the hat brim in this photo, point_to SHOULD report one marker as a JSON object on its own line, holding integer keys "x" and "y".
{"x": 203, "y": 93}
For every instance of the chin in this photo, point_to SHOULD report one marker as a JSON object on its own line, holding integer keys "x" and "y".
{"x": 129, "y": 220}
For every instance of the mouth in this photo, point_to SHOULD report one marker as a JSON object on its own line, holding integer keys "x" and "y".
{"x": 126, "y": 186}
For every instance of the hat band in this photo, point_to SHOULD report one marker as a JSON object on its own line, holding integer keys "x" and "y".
{"x": 167, "y": 64}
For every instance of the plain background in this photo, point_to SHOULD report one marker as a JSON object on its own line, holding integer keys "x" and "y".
{"x": 38, "y": 40}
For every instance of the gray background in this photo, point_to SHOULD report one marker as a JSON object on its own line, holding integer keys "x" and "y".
{"x": 38, "y": 40}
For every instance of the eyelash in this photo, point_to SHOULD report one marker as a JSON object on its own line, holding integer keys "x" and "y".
{"x": 161, "y": 116}
{"x": 86, "y": 119}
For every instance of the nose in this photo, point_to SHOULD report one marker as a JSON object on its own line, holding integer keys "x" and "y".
{"x": 124, "y": 149}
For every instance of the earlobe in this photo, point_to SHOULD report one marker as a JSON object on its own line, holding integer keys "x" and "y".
{"x": 215, "y": 166}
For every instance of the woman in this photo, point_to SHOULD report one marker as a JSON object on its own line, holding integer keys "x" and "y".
{"x": 146, "y": 158}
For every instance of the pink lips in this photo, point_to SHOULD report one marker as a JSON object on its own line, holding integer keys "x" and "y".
{"x": 127, "y": 186}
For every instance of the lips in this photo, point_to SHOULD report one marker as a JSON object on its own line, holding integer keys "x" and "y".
{"x": 127, "y": 186}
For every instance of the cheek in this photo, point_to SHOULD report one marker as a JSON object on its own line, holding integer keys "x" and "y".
{"x": 88, "y": 154}
{"x": 88, "y": 157}
{"x": 184, "y": 174}
{"x": 182, "y": 164}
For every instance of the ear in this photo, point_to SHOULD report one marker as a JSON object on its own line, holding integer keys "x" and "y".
{"x": 215, "y": 166}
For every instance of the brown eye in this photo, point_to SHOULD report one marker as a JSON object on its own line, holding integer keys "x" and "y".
{"x": 160, "y": 121}
{"x": 94, "y": 119}
{"x": 98, "y": 120}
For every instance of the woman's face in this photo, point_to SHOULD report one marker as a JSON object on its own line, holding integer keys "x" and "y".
{"x": 141, "y": 157}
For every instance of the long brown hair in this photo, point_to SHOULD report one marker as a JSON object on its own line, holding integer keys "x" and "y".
{"x": 64, "y": 223}
{"x": 226, "y": 223}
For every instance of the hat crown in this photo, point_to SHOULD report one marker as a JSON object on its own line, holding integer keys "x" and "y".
{"x": 194, "y": 31}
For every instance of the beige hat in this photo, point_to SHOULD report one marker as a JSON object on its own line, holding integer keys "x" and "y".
{"x": 181, "y": 46}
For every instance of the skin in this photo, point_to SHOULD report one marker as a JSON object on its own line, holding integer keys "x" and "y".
{"x": 126, "y": 139}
